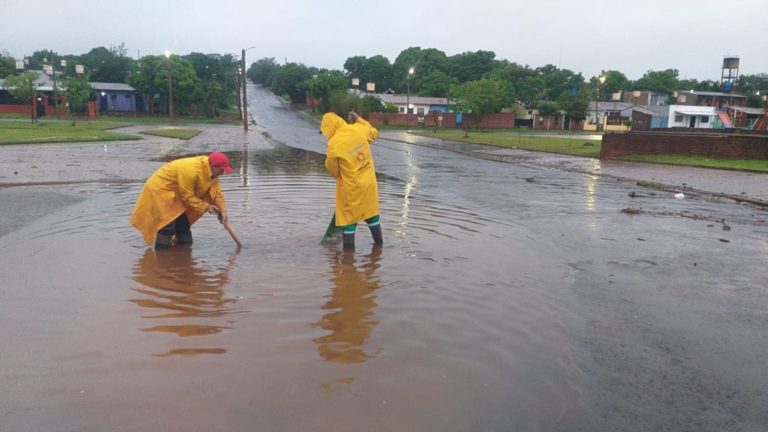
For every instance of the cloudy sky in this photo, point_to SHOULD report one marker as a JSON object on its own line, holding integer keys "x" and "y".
{"x": 632, "y": 36}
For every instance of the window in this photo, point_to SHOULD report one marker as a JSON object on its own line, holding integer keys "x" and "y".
{"x": 401, "y": 110}
{"x": 678, "y": 118}
{"x": 420, "y": 111}
{"x": 704, "y": 119}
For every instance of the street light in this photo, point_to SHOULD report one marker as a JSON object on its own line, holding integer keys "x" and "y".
{"x": 600, "y": 80}
{"x": 408, "y": 98}
{"x": 245, "y": 97}
{"x": 170, "y": 84}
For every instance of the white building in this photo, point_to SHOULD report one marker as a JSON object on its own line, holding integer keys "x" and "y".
{"x": 689, "y": 116}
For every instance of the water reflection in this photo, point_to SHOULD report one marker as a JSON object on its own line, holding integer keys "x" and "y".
{"x": 175, "y": 284}
{"x": 350, "y": 307}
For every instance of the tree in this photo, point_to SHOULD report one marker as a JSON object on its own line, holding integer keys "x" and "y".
{"x": 548, "y": 109}
{"x": 290, "y": 80}
{"x": 23, "y": 87}
{"x": 380, "y": 72}
{"x": 574, "y": 105}
{"x": 7, "y": 64}
{"x": 557, "y": 81}
{"x": 263, "y": 71}
{"x": 423, "y": 61}
{"x": 435, "y": 84}
{"x": 523, "y": 83}
{"x": 78, "y": 91}
{"x": 614, "y": 82}
{"x": 658, "y": 81}
{"x": 108, "y": 65}
{"x": 470, "y": 66}
{"x": 143, "y": 79}
{"x": 479, "y": 97}
{"x": 322, "y": 85}
{"x": 184, "y": 80}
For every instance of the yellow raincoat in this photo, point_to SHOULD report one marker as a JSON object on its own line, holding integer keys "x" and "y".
{"x": 182, "y": 186}
{"x": 348, "y": 159}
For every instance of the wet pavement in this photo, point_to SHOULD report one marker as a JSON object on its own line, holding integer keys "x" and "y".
{"x": 742, "y": 186}
{"x": 507, "y": 296}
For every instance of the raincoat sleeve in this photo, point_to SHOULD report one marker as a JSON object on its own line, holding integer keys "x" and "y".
{"x": 371, "y": 132}
{"x": 187, "y": 180}
{"x": 218, "y": 196}
{"x": 332, "y": 161}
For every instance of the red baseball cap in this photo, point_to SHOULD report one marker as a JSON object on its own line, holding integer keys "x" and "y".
{"x": 220, "y": 160}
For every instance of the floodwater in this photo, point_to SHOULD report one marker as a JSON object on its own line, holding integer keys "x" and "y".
{"x": 506, "y": 297}
{"x": 284, "y": 334}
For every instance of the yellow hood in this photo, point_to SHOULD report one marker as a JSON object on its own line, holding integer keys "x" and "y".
{"x": 330, "y": 124}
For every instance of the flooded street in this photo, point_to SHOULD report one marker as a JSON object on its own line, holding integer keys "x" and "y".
{"x": 506, "y": 297}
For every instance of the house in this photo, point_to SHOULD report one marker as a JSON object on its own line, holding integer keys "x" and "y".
{"x": 610, "y": 116}
{"x": 711, "y": 99}
{"x": 644, "y": 97}
{"x": 645, "y": 118}
{"x": 419, "y": 105}
{"x": 44, "y": 104}
{"x": 689, "y": 116}
{"x": 115, "y": 97}
{"x": 111, "y": 97}
{"x": 744, "y": 117}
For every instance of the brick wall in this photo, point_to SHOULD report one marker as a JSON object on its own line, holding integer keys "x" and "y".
{"x": 724, "y": 146}
{"x": 14, "y": 109}
{"x": 431, "y": 120}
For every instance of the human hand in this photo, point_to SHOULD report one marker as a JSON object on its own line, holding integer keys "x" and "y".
{"x": 352, "y": 117}
{"x": 221, "y": 215}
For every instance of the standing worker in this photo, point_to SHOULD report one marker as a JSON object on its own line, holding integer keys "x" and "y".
{"x": 349, "y": 160}
{"x": 177, "y": 195}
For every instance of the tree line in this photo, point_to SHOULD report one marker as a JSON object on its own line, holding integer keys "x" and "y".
{"x": 478, "y": 82}
{"x": 203, "y": 84}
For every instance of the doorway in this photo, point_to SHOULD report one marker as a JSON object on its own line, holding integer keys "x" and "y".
{"x": 692, "y": 121}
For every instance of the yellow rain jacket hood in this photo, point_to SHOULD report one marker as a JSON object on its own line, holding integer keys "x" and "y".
{"x": 349, "y": 160}
{"x": 181, "y": 186}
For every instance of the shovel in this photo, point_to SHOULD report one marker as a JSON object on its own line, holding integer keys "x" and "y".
{"x": 331, "y": 230}
{"x": 229, "y": 230}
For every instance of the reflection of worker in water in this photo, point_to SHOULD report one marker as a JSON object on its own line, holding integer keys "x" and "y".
{"x": 177, "y": 195}
{"x": 349, "y": 160}
{"x": 171, "y": 279}
{"x": 350, "y": 309}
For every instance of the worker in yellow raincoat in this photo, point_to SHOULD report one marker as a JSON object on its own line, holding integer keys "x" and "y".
{"x": 349, "y": 160}
{"x": 177, "y": 195}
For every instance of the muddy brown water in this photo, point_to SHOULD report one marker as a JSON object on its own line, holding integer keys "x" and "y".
{"x": 284, "y": 334}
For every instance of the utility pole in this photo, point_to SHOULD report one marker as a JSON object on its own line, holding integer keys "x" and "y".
{"x": 245, "y": 97}
{"x": 244, "y": 78}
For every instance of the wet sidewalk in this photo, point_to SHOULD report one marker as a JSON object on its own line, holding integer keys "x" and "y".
{"x": 737, "y": 185}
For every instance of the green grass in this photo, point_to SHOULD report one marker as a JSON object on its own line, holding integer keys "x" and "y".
{"x": 13, "y": 116}
{"x": 174, "y": 133}
{"x": 732, "y": 164}
{"x": 575, "y": 145}
{"x": 28, "y": 132}
{"x": 158, "y": 119}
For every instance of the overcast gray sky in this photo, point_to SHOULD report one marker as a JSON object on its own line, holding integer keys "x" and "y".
{"x": 632, "y": 36}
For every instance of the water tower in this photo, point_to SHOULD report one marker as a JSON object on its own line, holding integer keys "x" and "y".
{"x": 730, "y": 72}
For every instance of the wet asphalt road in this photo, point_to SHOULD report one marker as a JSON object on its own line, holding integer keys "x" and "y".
{"x": 648, "y": 320}
{"x": 667, "y": 307}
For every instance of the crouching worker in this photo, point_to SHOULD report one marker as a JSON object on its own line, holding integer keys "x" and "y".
{"x": 349, "y": 160}
{"x": 177, "y": 195}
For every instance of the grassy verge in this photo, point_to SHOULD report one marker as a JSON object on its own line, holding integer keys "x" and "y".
{"x": 28, "y": 132}
{"x": 138, "y": 119}
{"x": 575, "y": 145}
{"x": 174, "y": 133}
{"x": 732, "y": 164}
{"x": 14, "y": 116}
